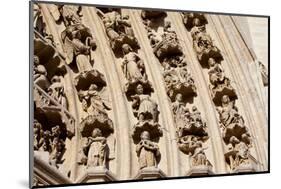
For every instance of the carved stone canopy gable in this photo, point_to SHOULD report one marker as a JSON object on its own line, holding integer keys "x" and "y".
{"x": 84, "y": 79}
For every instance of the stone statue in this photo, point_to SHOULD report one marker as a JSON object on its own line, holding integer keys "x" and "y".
{"x": 37, "y": 135}
{"x": 96, "y": 150}
{"x": 118, "y": 29}
{"x": 146, "y": 108}
{"x": 40, "y": 74}
{"x": 216, "y": 74}
{"x": 71, "y": 14}
{"x": 192, "y": 20}
{"x": 198, "y": 157}
{"x": 241, "y": 152}
{"x": 56, "y": 91}
{"x": 92, "y": 102}
{"x": 229, "y": 112}
{"x": 79, "y": 46}
{"x": 57, "y": 151}
{"x": 133, "y": 67}
{"x": 147, "y": 151}
{"x": 178, "y": 106}
{"x": 47, "y": 141}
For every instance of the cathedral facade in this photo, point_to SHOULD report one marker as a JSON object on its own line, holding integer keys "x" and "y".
{"x": 131, "y": 94}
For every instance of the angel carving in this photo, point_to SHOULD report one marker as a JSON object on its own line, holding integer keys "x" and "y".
{"x": 78, "y": 43}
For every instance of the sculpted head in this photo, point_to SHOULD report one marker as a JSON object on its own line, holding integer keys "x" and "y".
{"x": 126, "y": 48}
{"x": 96, "y": 133}
{"x": 36, "y": 60}
{"x": 211, "y": 62}
{"x": 140, "y": 89}
{"x": 145, "y": 135}
{"x": 196, "y": 22}
{"x": 225, "y": 99}
{"x": 93, "y": 87}
{"x": 179, "y": 97}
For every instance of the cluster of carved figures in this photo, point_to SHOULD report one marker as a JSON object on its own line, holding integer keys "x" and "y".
{"x": 50, "y": 95}
{"x": 180, "y": 86}
{"x": 234, "y": 131}
{"x": 55, "y": 122}
{"x": 146, "y": 131}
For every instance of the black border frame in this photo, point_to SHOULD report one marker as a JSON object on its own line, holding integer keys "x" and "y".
{"x": 31, "y": 108}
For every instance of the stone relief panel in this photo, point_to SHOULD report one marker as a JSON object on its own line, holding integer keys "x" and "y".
{"x": 235, "y": 134}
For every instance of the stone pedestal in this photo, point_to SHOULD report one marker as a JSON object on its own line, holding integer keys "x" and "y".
{"x": 200, "y": 171}
{"x": 96, "y": 174}
{"x": 150, "y": 173}
{"x": 246, "y": 168}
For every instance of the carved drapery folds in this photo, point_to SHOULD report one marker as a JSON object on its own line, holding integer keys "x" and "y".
{"x": 118, "y": 29}
{"x": 134, "y": 71}
{"x": 234, "y": 131}
{"x": 191, "y": 129}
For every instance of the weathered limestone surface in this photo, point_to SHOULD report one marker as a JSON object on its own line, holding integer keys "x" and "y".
{"x": 124, "y": 94}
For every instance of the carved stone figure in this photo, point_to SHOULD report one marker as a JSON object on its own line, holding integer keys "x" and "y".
{"x": 133, "y": 66}
{"x": 56, "y": 91}
{"x": 167, "y": 44}
{"x": 96, "y": 150}
{"x": 40, "y": 74}
{"x": 78, "y": 43}
{"x": 92, "y": 102}
{"x": 71, "y": 14}
{"x": 56, "y": 154}
{"x": 204, "y": 47}
{"x": 37, "y": 135}
{"x": 47, "y": 141}
{"x": 191, "y": 20}
{"x": 199, "y": 158}
{"x": 147, "y": 151}
{"x": 178, "y": 80}
{"x": 145, "y": 107}
{"x": 118, "y": 29}
{"x": 220, "y": 84}
{"x": 229, "y": 112}
{"x": 238, "y": 153}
